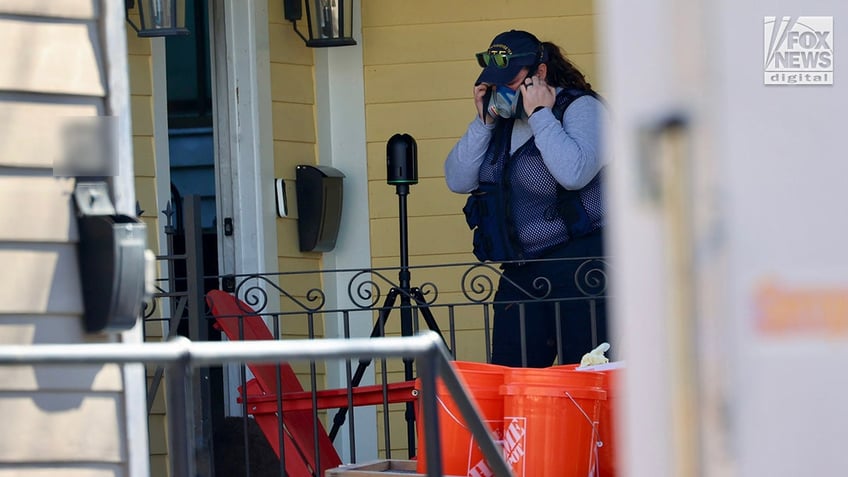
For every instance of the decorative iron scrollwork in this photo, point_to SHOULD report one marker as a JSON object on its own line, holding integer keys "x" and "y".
{"x": 252, "y": 290}
{"x": 430, "y": 293}
{"x": 363, "y": 291}
{"x": 478, "y": 285}
{"x": 591, "y": 277}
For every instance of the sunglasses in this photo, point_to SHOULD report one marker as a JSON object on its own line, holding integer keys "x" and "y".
{"x": 499, "y": 57}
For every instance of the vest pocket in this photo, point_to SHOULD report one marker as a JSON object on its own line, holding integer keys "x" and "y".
{"x": 486, "y": 215}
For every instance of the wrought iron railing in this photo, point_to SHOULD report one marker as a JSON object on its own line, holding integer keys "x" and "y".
{"x": 451, "y": 299}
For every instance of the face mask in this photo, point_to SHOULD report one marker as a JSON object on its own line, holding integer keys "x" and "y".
{"x": 505, "y": 103}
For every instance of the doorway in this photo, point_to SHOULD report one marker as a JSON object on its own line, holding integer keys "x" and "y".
{"x": 191, "y": 148}
{"x": 216, "y": 142}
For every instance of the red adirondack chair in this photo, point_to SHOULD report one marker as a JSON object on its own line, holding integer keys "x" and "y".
{"x": 239, "y": 322}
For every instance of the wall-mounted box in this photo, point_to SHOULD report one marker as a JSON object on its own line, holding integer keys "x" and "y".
{"x": 319, "y": 207}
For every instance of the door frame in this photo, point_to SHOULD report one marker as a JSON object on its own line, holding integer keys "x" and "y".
{"x": 243, "y": 138}
{"x": 243, "y": 135}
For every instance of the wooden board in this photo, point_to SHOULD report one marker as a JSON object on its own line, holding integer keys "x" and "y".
{"x": 379, "y": 468}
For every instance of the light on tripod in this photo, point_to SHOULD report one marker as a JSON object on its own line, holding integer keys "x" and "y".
{"x": 401, "y": 160}
{"x": 402, "y": 168}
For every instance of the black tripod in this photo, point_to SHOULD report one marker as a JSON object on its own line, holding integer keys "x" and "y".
{"x": 402, "y": 172}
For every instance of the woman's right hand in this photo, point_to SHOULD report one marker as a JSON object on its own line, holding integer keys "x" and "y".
{"x": 479, "y": 94}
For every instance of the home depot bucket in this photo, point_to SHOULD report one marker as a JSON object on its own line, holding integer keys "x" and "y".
{"x": 460, "y": 454}
{"x": 607, "y": 425}
{"x": 550, "y": 421}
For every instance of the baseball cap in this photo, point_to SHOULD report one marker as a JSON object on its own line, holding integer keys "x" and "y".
{"x": 507, "y": 54}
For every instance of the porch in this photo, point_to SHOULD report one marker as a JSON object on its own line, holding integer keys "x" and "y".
{"x": 334, "y": 411}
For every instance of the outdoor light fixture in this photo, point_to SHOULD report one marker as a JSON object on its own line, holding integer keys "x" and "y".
{"x": 330, "y": 22}
{"x": 159, "y": 17}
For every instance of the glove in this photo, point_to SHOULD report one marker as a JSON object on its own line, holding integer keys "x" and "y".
{"x": 596, "y": 356}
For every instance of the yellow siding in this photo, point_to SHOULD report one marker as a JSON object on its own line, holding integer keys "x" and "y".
{"x": 397, "y": 432}
{"x": 158, "y": 443}
{"x": 287, "y": 155}
{"x": 159, "y": 466}
{"x": 144, "y": 156}
{"x": 142, "y": 114}
{"x": 294, "y": 131}
{"x": 419, "y": 72}
{"x": 141, "y": 76}
{"x": 462, "y": 14}
{"x": 295, "y": 142}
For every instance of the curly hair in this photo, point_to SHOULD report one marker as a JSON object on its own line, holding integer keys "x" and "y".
{"x": 561, "y": 71}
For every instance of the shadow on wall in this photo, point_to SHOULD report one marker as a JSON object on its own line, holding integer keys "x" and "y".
{"x": 63, "y": 388}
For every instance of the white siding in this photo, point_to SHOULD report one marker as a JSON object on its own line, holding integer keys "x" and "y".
{"x": 51, "y": 57}
{"x": 55, "y": 64}
{"x": 77, "y": 9}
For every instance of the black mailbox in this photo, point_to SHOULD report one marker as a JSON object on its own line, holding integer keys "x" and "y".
{"x": 319, "y": 207}
{"x": 111, "y": 255}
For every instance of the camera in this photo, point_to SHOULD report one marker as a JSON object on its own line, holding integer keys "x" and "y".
{"x": 401, "y": 160}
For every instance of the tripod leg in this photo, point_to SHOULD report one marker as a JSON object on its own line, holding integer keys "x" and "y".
{"x": 376, "y": 332}
{"x": 428, "y": 315}
{"x": 422, "y": 306}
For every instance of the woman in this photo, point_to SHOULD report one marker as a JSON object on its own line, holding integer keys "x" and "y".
{"x": 532, "y": 161}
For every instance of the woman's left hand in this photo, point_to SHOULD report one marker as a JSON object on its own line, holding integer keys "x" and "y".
{"x": 536, "y": 92}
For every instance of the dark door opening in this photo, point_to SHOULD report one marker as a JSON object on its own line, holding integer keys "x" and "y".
{"x": 192, "y": 172}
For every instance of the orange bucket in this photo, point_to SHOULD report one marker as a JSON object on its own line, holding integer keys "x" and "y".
{"x": 460, "y": 455}
{"x": 551, "y": 420}
{"x": 607, "y": 427}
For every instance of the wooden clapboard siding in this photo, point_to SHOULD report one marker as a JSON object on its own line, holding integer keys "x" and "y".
{"x": 40, "y": 278}
{"x": 295, "y": 142}
{"x": 83, "y": 401}
{"x": 389, "y": 12}
{"x": 140, "y": 61}
{"x": 65, "y": 9}
{"x": 89, "y": 423}
{"x": 61, "y": 57}
{"x": 51, "y": 223}
{"x": 419, "y": 72}
{"x": 293, "y": 115}
{"x": 34, "y": 131}
{"x": 294, "y": 130}
{"x": 88, "y": 470}
{"x": 55, "y": 67}
{"x": 144, "y": 150}
{"x": 53, "y": 329}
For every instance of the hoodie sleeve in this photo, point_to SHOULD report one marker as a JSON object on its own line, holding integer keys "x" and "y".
{"x": 462, "y": 166}
{"x": 572, "y": 150}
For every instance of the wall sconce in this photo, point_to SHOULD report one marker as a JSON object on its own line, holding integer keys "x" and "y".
{"x": 159, "y": 17}
{"x": 330, "y": 22}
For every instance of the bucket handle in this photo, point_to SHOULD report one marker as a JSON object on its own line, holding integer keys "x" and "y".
{"x": 445, "y": 407}
{"x": 458, "y": 421}
{"x": 593, "y": 467}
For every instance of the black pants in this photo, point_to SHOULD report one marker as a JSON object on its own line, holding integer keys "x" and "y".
{"x": 577, "y": 287}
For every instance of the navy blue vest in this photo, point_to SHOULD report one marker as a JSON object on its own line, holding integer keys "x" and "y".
{"x": 519, "y": 210}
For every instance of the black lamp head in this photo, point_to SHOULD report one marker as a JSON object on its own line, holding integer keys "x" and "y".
{"x": 401, "y": 160}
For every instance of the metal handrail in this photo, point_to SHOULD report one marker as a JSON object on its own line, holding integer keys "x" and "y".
{"x": 180, "y": 356}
